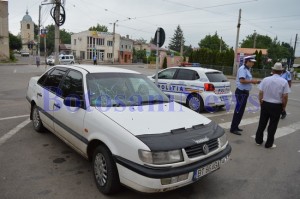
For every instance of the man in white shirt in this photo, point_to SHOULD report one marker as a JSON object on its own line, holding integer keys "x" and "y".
{"x": 273, "y": 97}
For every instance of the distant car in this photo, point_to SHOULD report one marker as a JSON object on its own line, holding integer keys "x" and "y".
{"x": 66, "y": 59}
{"x": 197, "y": 87}
{"x": 24, "y": 54}
{"x": 127, "y": 127}
{"x": 50, "y": 60}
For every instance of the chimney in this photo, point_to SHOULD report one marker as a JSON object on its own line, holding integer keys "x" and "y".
{"x": 127, "y": 36}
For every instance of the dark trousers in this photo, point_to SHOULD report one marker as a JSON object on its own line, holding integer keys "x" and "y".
{"x": 269, "y": 112}
{"x": 241, "y": 102}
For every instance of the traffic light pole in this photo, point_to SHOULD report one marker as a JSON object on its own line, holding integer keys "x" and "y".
{"x": 56, "y": 42}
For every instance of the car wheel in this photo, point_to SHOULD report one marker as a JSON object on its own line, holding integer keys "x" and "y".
{"x": 36, "y": 120}
{"x": 195, "y": 103}
{"x": 105, "y": 171}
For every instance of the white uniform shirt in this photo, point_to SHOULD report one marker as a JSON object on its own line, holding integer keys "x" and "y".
{"x": 273, "y": 88}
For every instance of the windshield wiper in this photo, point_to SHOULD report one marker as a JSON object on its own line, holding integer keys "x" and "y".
{"x": 153, "y": 102}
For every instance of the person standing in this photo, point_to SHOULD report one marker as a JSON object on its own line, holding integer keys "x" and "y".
{"x": 37, "y": 60}
{"x": 287, "y": 76}
{"x": 273, "y": 97}
{"x": 244, "y": 83}
{"x": 95, "y": 60}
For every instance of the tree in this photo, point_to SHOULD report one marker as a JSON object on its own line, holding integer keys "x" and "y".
{"x": 99, "y": 28}
{"x": 175, "y": 43}
{"x": 141, "y": 41}
{"x": 65, "y": 38}
{"x": 263, "y": 42}
{"x": 213, "y": 42}
{"x": 165, "y": 63}
{"x": 15, "y": 43}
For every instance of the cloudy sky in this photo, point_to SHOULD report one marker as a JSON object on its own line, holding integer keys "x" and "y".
{"x": 197, "y": 18}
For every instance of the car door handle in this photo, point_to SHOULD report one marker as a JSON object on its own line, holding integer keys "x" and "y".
{"x": 57, "y": 105}
{"x": 39, "y": 94}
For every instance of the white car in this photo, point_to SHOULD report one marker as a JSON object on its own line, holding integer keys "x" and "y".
{"x": 50, "y": 60}
{"x": 197, "y": 87}
{"x": 127, "y": 127}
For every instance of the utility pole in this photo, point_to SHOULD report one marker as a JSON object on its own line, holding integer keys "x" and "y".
{"x": 113, "y": 47}
{"x": 56, "y": 42}
{"x": 157, "y": 55}
{"x": 236, "y": 44}
{"x": 181, "y": 46}
{"x": 295, "y": 44}
{"x": 254, "y": 42}
{"x": 39, "y": 32}
{"x": 221, "y": 44}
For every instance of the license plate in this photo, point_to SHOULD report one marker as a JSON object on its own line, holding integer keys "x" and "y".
{"x": 206, "y": 170}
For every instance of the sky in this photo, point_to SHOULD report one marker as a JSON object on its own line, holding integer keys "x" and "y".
{"x": 197, "y": 18}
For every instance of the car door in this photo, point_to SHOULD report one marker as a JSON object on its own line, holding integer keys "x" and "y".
{"x": 47, "y": 89}
{"x": 165, "y": 79}
{"x": 69, "y": 119}
{"x": 184, "y": 82}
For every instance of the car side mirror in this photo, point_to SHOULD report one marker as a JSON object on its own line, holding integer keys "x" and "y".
{"x": 73, "y": 102}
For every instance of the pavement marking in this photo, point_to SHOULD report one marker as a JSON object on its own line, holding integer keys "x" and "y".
{"x": 244, "y": 122}
{"x": 12, "y": 132}
{"x": 250, "y": 109}
{"x": 283, "y": 131}
{"x": 13, "y": 117}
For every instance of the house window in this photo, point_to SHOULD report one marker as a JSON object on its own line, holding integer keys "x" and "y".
{"x": 100, "y": 41}
{"x": 125, "y": 46}
{"x": 28, "y": 26}
{"x": 74, "y": 41}
{"x": 109, "y": 55}
{"x": 109, "y": 43}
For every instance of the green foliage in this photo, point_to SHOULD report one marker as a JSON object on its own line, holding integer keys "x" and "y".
{"x": 175, "y": 42}
{"x": 209, "y": 57}
{"x": 165, "y": 63}
{"x": 65, "y": 38}
{"x": 99, "y": 28}
{"x": 213, "y": 42}
{"x": 12, "y": 56}
{"x": 263, "y": 42}
{"x": 15, "y": 43}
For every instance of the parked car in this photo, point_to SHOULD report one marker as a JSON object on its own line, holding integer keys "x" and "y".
{"x": 50, "y": 60}
{"x": 127, "y": 127}
{"x": 66, "y": 59}
{"x": 197, "y": 87}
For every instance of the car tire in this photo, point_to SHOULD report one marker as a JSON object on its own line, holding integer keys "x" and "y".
{"x": 36, "y": 120}
{"x": 195, "y": 102}
{"x": 105, "y": 171}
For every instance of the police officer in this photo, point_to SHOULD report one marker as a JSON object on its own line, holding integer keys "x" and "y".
{"x": 287, "y": 76}
{"x": 273, "y": 97}
{"x": 244, "y": 83}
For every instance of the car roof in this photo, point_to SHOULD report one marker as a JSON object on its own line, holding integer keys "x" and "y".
{"x": 99, "y": 69}
{"x": 198, "y": 69}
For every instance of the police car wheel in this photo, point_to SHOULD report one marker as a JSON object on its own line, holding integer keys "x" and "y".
{"x": 195, "y": 103}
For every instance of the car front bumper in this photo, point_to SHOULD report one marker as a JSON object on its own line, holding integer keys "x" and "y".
{"x": 147, "y": 179}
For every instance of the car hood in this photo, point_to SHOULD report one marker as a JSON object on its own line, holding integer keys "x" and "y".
{"x": 155, "y": 119}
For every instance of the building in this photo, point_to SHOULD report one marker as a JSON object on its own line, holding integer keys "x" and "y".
{"x": 27, "y": 33}
{"x": 87, "y": 44}
{"x": 4, "y": 36}
{"x": 126, "y": 50}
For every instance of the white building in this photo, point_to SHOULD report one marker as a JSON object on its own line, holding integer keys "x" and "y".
{"x": 87, "y": 44}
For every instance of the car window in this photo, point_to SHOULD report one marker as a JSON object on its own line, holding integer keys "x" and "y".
{"x": 167, "y": 74}
{"x": 185, "y": 74}
{"x": 41, "y": 81}
{"x": 216, "y": 77}
{"x": 113, "y": 89}
{"x": 53, "y": 79}
{"x": 72, "y": 85}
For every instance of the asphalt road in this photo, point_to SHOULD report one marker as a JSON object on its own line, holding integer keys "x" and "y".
{"x": 37, "y": 165}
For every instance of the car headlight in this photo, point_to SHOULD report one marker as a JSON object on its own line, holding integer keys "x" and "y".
{"x": 223, "y": 140}
{"x": 161, "y": 157}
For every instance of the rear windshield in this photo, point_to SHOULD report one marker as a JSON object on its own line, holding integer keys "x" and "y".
{"x": 216, "y": 77}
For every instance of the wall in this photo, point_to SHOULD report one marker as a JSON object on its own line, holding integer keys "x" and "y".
{"x": 4, "y": 37}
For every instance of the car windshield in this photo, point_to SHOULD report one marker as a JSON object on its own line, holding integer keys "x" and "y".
{"x": 122, "y": 89}
{"x": 216, "y": 77}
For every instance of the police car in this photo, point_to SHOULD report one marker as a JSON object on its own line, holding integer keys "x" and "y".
{"x": 196, "y": 87}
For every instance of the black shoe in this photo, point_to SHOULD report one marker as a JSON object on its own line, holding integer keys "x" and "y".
{"x": 238, "y": 129}
{"x": 236, "y": 132}
{"x": 283, "y": 116}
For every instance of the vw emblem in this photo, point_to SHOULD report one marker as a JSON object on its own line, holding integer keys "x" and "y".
{"x": 205, "y": 149}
